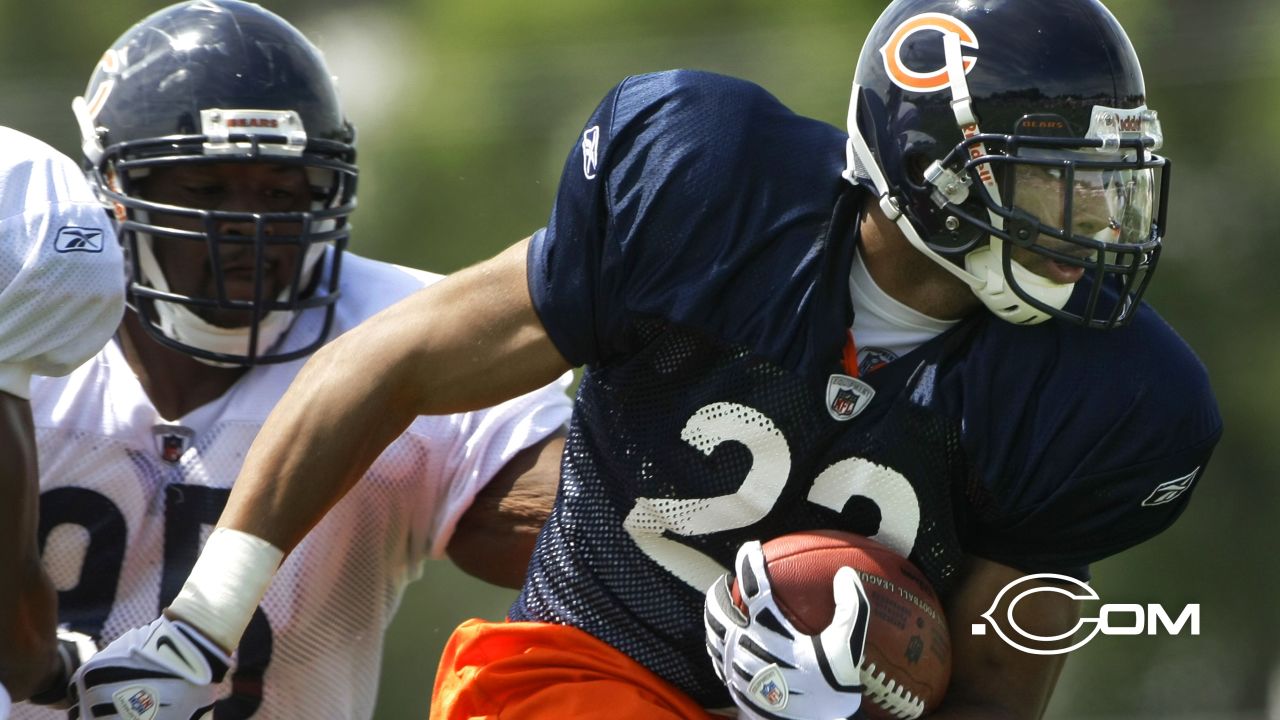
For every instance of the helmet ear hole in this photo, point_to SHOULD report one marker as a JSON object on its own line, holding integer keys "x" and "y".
{"x": 916, "y": 164}
{"x": 955, "y": 235}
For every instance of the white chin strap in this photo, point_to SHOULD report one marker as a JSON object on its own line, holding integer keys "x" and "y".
{"x": 180, "y": 323}
{"x": 999, "y": 297}
{"x": 983, "y": 271}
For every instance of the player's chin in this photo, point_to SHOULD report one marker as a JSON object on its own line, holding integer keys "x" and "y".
{"x": 227, "y": 319}
{"x": 240, "y": 292}
{"x": 1059, "y": 273}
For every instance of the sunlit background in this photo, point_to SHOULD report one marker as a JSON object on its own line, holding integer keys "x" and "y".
{"x": 466, "y": 110}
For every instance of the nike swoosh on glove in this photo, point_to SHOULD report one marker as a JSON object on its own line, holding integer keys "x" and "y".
{"x": 167, "y": 669}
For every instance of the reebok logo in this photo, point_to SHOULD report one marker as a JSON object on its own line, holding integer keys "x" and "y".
{"x": 1169, "y": 491}
{"x": 78, "y": 239}
{"x": 590, "y": 151}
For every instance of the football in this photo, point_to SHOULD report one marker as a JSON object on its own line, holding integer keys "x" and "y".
{"x": 907, "y": 660}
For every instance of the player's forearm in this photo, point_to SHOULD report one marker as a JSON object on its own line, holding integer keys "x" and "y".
{"x": 980, "y": 712}
{"x": 997, "y": 700}
{"x": 303, "y": 461}
{"x": 989, "y": 678}
{"x": 28, "y": 609}
{"x": 28, "y": 603}
{"x": 495, "y": 538}
{"x": 470, "y": 341}
{"x": 28, "y": 633}
{"x": 330, "y": 426}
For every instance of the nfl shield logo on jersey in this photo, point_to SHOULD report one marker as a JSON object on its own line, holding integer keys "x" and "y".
{"x": 172, "y": 440}
{"x": 847, "y": 396}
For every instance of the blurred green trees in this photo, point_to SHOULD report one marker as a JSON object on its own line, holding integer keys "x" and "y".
{"x": 467, "y": 109}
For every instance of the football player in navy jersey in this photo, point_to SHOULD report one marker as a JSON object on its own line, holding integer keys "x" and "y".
{"x": 927, "y": 330}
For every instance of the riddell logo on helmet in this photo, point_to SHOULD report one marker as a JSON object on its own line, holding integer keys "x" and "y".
{"x": 1132, "y": 123}
{"x": 253, "y": 122}
{"x": 932, "y": 80}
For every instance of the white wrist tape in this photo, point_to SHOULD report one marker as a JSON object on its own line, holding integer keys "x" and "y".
{"x": 227, "y": 583}
{"x": 5, "y": 701}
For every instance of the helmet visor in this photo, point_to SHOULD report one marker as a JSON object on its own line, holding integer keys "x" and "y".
{"x": 1082, "y": 196}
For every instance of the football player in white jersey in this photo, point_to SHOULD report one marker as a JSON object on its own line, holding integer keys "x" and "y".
{"x": 213, "y": 131}
{"x": 60, "y": 300}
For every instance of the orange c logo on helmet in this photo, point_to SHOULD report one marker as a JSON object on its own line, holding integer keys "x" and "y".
{"x": 908, "y": 79}
{"x": 110, "y": 64}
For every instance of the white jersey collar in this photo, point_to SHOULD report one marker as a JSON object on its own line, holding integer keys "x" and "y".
{"x": 872, "y": 303}
{"x": 884, "y": 329}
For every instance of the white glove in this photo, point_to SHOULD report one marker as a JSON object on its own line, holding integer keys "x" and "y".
{"x": 167, "y": 669}
{"x": 773, "y": 670}
{"x": 5, "y": 703}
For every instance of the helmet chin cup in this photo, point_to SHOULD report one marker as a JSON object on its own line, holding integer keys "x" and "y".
{"x": 181, "y": 325}
{"x": 186, "y": 327}
{"x": 1000, "y": 294}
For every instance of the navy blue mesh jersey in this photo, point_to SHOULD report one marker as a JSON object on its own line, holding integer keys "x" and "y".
{"x": 697, "y": 262}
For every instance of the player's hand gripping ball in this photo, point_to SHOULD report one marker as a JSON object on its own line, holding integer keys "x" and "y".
{"x": 771, "y": 668}
{"x": 906, "y": 660}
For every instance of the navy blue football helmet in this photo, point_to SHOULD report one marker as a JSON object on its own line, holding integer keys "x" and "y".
{"x": 217, "y": 82}
{"x": 1006, "y": 136}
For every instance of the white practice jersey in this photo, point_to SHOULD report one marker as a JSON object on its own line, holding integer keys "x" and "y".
{"x": 128, "y": 498}
{"x": 61, "y": 273}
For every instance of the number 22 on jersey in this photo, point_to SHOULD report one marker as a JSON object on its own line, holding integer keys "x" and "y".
{"x": 652, "y": 520}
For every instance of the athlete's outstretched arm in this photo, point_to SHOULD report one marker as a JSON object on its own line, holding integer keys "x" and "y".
{"x": 28, "y": 604}
{"x": 470, "y": 341}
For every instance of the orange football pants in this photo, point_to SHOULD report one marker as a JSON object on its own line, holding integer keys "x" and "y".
{"x": 541, "y": 671}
